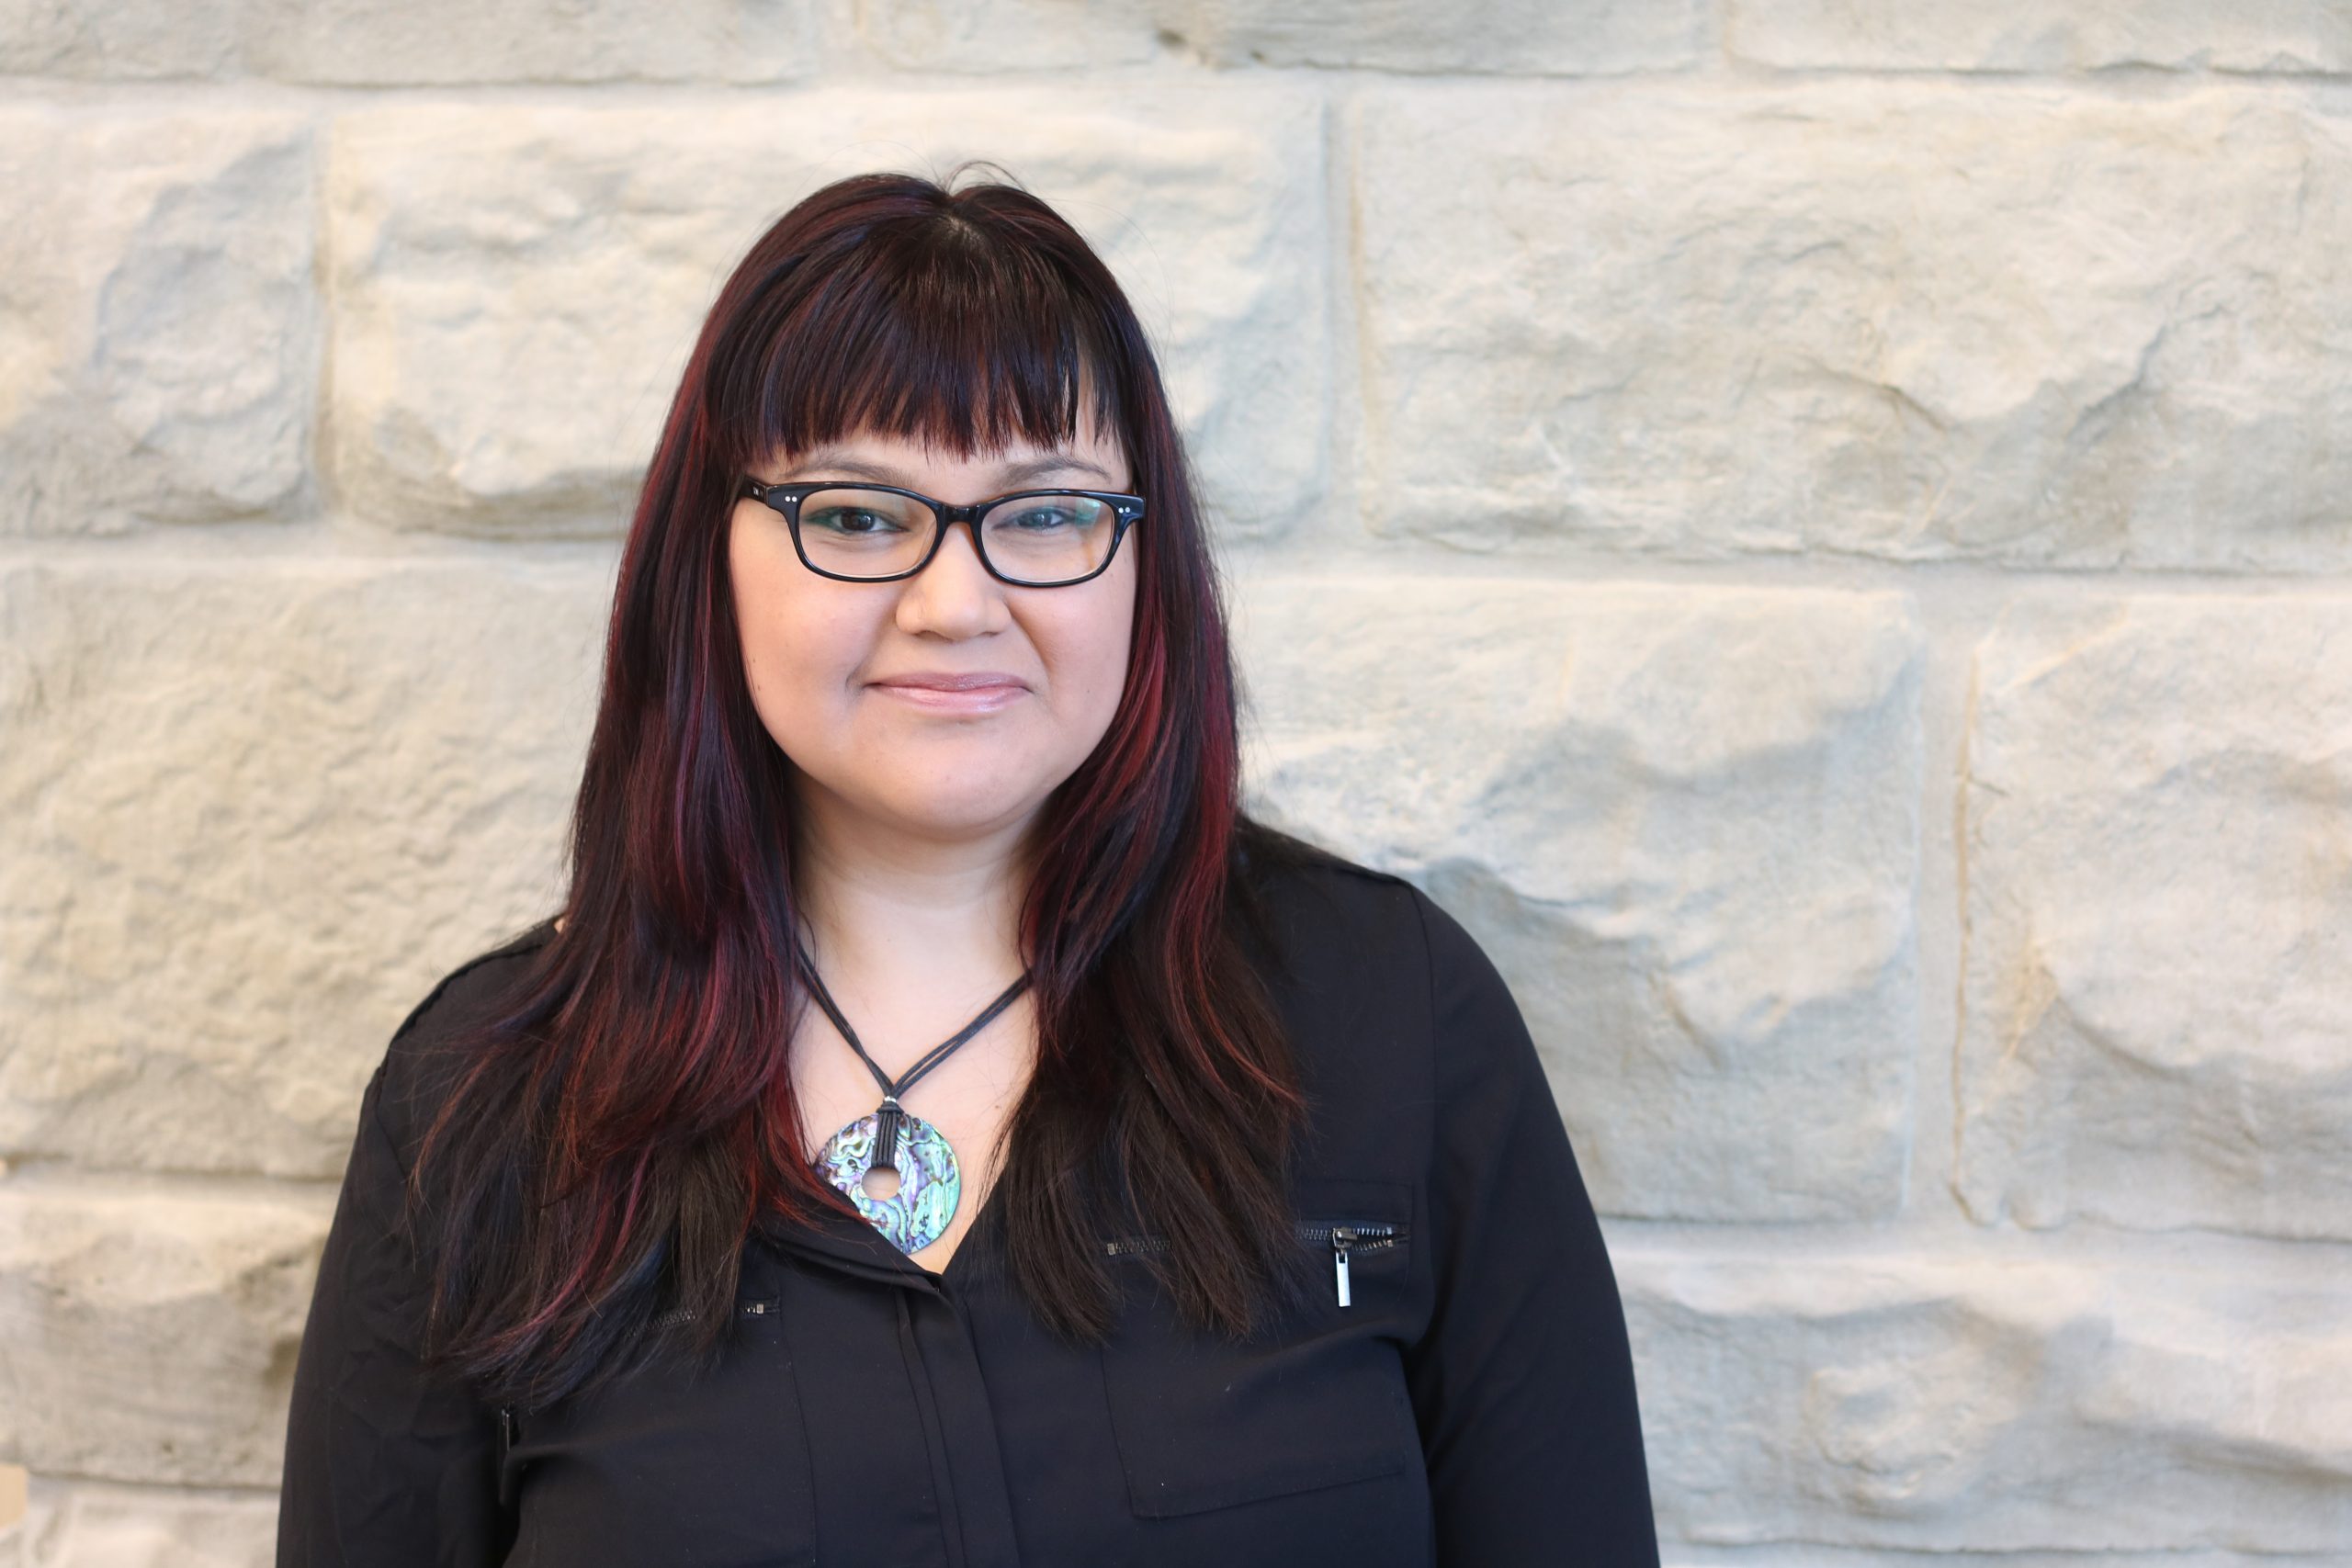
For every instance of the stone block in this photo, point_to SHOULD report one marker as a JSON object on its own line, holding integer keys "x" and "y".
{"x": 1684, "y": 823}
{"x": 148, "y": 1329}
{"x": 159, "y": 327}
{"x": 253, "y": 814}
{"x": 2246, "y": 36}
{"x": 91, "y": 1524}
{"x": 1967, "y": 1404}
{"x": 419, "y": 42}
{"x": 2008, "y": 323}
{"x": 1532, "y": 37}
{"x": 127, "y": 39}
{"x": 518, "y": 287}
{"x": 2156, "y": 1032}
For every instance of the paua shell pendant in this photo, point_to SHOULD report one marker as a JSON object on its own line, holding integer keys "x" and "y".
{"x": 929, "y": 1179}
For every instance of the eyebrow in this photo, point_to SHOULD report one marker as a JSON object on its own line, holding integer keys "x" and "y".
{"x": 837, "y": 460}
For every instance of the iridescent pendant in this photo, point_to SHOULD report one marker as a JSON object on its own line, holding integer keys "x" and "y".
{"x": 929, "y": 1179}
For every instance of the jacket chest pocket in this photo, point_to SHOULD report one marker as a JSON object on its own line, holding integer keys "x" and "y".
{"x": 1202, "y": 1422}
{"x": 669, "y": 1464}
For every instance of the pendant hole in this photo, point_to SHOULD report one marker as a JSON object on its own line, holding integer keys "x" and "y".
{"x": 880, "y": 1181}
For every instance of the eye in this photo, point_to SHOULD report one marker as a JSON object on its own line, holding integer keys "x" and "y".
{"x": 848, "y": 520}
{"x": 1048, "y": 515}
{"x": 1039, "y": 517}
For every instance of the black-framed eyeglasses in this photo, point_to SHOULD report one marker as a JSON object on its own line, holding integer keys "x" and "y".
{"x": 1031, "y": 538}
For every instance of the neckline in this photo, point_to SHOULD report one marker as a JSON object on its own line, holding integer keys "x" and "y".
{"x": 982, "y": 1218}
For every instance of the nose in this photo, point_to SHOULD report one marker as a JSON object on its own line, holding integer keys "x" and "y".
{"x": 953, "y": 595}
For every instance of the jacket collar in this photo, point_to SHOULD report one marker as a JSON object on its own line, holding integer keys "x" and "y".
{"x": 837, "y": 1235}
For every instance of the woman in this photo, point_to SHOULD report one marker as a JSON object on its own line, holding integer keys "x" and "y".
{"x": 1144, "y": 1186}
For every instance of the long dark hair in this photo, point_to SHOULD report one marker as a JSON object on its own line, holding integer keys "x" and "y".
{"x": 622, "y": 1119}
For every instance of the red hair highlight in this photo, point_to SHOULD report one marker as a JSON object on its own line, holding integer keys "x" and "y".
{"x": 621, "y": 1120}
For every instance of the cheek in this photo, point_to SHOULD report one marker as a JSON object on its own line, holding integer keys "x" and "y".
{"x": 793, "y": 682}
{"x": 783, "y": 638}
{"x": 1098, "y": 650}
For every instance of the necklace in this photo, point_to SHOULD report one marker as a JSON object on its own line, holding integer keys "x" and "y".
{"x": 930, "y": 1180}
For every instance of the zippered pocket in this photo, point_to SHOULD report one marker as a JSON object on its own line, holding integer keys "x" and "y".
{"x": 1314, "y": 1411}
{"x": 756, "y": 1307}
{"x": 1345, "y": 1239}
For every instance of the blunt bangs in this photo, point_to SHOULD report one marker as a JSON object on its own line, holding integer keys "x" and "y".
{"x": 559, "y": 1224}
{"x": 938, "y": 328}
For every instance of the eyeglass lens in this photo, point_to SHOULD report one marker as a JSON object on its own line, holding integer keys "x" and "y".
{"x": 1034, "y": 538}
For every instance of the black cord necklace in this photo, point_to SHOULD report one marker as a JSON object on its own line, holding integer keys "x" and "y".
{"x": 930, "y": 1178}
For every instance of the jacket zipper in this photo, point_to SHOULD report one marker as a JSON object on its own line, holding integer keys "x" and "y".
{"x": 1344, "y": 1240}
{"x": 506, "y": 1437}
{"x": 686, "y": 1314}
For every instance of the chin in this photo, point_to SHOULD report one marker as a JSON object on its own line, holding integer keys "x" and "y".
{"x": 961, "y": 815}
{"x": 955, "y": 829}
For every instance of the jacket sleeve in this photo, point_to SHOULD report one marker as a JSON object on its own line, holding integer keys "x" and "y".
{"x": 1523, "y": 1383}
{"x": 383, "y": 1465}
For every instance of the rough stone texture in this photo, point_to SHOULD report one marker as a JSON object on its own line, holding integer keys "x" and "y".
{"x": 1993, "y": 1403}
{"x": 454, "y": 409}
{"x": 419, "y": 41}
{"x": 75, "y": 1524}
{"x": 254, "y": 815}
{"x": 2015, "y": 324}
{"x": 1935, "y": 1250}
{"x": 2157, "y": 1030}
{"x": 2043, "y": 34}
{"x": 1684, "y": 822}
{"x": 148, "y": 1329}
{"x": 1534, "y": 36}
{"x": 159, "y": 328}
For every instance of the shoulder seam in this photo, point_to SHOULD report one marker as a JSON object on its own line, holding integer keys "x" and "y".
{"x": 529, "y": 941}
{"x": 1428, "y": 969}
{"x": 1369, "y": 872}
{"x": 1419, "y": 901}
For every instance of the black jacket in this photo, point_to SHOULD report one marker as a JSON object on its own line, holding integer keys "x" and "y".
{"x": 1472, "y": 1404}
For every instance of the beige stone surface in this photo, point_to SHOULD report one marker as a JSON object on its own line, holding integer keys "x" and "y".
{"x": 517, "y": 287}
{"x": 148, "y": 1329}
{"x": 1534, "y": 36}
{"x": 1994, "y": 1404}
{"x": 2286, "y": 35}
{"x": 416, "y": 42}
{"x": 254, "y": 814}
{"x": 1891, "y": 745}
{"x": 2157, "y": 1029}
{"x": 84, "y": 1524}
{"x": 159, "y": 322}
{"x": 1683, "y": 821}
{"x": 2010, "y": 323}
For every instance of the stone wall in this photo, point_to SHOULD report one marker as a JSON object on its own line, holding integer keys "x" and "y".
{"x": 1816, "y": 526}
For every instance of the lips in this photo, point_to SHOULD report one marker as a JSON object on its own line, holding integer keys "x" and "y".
{"x": 977, "y": 680}
{"x": 977, "y": 692}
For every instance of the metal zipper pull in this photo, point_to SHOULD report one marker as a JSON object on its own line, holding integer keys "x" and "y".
{"x": 1342, "y": 1238}
{"x": 507, "y": 1436}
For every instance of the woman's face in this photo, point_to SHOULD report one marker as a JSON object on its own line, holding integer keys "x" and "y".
{"x": 823, "y": 657}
